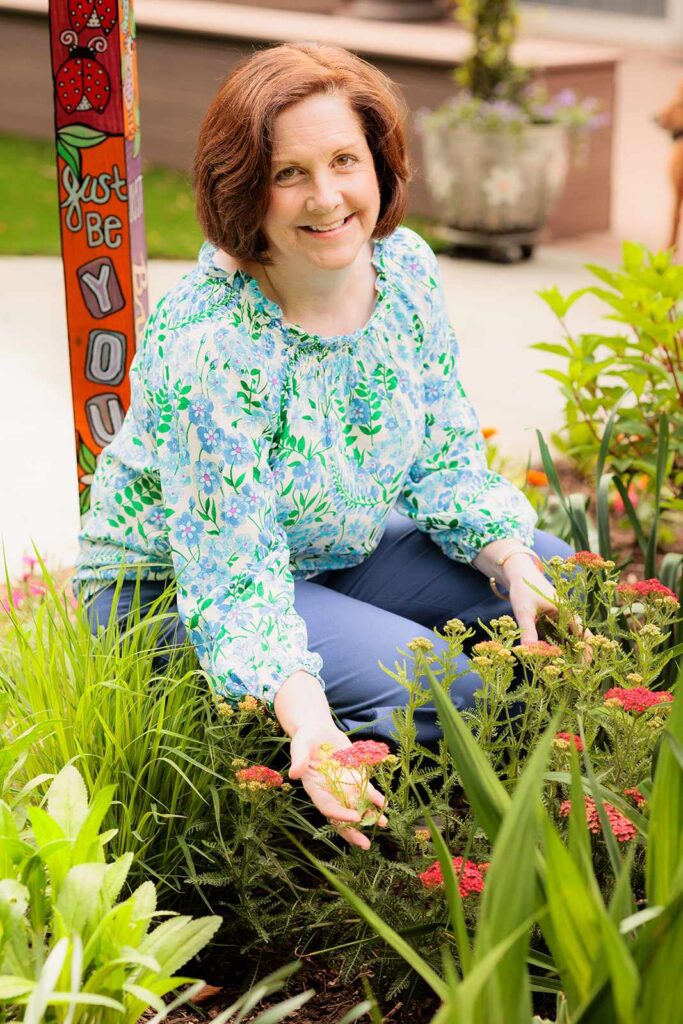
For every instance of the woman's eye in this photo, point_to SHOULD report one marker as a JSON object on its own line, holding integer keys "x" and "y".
{"x": 347, "y": 159}
{"x": 286, "y": 174}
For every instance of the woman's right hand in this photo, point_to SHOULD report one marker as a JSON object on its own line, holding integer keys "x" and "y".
{"x": 305, "y": 754}
{"x": 303, "y": 712}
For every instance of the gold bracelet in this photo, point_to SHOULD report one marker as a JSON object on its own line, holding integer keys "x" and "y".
{"x": 496, "y": 591}
{"x": 501, "y": 562}
{"x": 520, "y": 551}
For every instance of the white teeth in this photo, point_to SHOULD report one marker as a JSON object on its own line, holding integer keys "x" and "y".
{"x": 327, "y": 227}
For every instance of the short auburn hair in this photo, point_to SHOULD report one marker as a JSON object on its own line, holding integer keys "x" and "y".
{"x": 232, "y": 166}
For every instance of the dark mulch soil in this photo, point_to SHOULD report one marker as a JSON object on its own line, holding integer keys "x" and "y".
{"x": 332, "y": 1000}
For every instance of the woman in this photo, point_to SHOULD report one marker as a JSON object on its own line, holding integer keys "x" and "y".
{"x": 299, "y": 456}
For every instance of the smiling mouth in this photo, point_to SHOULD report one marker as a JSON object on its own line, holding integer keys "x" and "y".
{"x": 325, "y": 230}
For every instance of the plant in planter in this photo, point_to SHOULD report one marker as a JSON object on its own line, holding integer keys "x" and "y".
{"x": 497, "y": 153}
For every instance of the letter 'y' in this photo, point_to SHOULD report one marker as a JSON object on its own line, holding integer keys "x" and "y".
{"x": 98, "y": 286}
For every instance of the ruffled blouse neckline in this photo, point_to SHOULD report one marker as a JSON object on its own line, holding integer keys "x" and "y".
{"x": 293, "y": 333}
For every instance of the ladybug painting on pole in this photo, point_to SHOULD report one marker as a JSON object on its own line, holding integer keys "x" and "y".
{"x": 99, "y": 174}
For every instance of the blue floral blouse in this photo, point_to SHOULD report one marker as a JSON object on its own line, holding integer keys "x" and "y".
{"x": 254, "y": 453}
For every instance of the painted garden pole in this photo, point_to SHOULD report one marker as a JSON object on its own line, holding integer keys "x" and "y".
{"x": 101, "y": 212}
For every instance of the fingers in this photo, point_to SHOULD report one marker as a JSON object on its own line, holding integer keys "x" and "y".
{"x": 355, "y": 838}
{"x": 527, "y": 628}
{"x": 379, "y": 800}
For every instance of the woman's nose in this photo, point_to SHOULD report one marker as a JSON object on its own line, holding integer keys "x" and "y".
{"x": 324, "y": 195}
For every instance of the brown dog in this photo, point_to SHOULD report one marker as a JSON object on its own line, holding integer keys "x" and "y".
{"x": 671, "y": 120}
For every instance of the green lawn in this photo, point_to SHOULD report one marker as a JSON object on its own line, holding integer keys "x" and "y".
{"x": 29, "y": 222}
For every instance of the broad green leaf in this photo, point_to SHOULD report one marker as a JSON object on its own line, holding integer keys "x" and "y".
{"x": 67, "y": 801}
{"x": 115, "y": 879}
{"x": 87, "y": 847}
{"x": 14, "y": 901}
{"x": 175, "y": 942}
{"x": 80, "y": 898}
{"x": 12, "y": 987}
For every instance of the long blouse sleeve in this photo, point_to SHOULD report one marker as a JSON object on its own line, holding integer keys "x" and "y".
{"x": 450, "y": 493}
{"x": 229, "y": 552}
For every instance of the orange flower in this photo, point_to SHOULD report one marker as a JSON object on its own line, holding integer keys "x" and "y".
{"x": 536, "y": 478}
{"x": 489, "y": 432}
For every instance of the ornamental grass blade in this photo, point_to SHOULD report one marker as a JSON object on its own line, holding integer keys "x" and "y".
{"x": 607, "y": 832}
{"x": 463, "y": 1002}
{"x": 574, "y": 908}
{"x": 659, "y": 954}
{"x": 511, "y": 894}
{"x": 602, "y": 515}
{"x": 604, "y": 445}
{"x": 664, "y": 857}
{"x": 575, "y": 514}
{"x": 660, "y": 477}
{"x": 630, "y": 511}
{"x": 486, "y": 794}
{"x": 453, "y": 897}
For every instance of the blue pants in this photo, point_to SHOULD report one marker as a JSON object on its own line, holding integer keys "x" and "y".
{"x": 360, "y": 616}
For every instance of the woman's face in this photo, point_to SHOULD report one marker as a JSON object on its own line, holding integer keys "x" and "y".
{"x": 322, "y": 176}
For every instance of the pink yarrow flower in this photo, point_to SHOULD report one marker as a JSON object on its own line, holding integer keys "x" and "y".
{"x": 587, "y": 560}
{"x": 471, "y": 876}
{"x": 638, "y": 699}
{"x": 259, "y": 777}
{"x": 634, "y": 793}
{"x": 623, "y": 828}
{"x": 539, "y": 649}
{"x": 362, "y": 753}
{"x": 645, "y": 590}
{"x": 564, "y": 740}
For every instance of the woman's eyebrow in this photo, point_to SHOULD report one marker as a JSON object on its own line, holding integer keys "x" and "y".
{"x": 343, "y": 148}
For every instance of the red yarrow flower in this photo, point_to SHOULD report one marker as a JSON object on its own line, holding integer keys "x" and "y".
{"x": 539, "y": 648}
{"x": 623, "y": 828}
{"x": 564, "y": 740}
{"x": 645, "y": 590}
{"x": 471, "y": 876}
{"x": 259, "y": 777}
{"x": 637, "y": 699}
{"x": 635, "y": 795}
{"x": 587, "y": 560}
{"x": 362, "y": 754}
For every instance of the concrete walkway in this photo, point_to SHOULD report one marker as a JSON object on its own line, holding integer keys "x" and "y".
{"x": 494, "y": 309}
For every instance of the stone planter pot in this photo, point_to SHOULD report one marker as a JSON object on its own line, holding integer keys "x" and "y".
{"x": 494, "y": 183}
